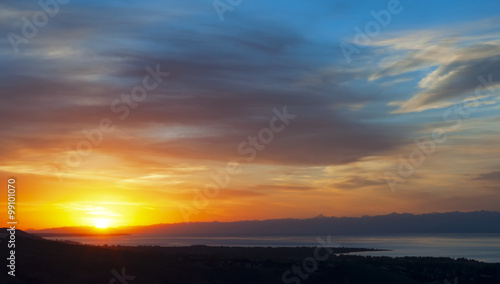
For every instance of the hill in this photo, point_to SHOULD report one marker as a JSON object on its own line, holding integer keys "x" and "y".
{"x": 50, "y": 262}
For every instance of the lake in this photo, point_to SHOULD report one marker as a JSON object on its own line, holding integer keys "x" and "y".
{"x": 483, "y": 247}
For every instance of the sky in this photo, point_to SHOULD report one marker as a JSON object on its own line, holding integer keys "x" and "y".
{"x": 121, "y": 113}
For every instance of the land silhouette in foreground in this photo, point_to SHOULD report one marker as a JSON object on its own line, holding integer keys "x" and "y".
{"x": 40, "y": 261}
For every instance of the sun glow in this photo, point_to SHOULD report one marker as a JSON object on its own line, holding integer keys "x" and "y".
{"x": 101, "y": 223}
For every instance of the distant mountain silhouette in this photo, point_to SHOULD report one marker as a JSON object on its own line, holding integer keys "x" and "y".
{"x": 452, "y": 222}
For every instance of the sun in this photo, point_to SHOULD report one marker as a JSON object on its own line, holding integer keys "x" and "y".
{"x": 101, "y": 223}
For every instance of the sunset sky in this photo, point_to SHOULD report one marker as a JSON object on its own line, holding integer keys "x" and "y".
{"x": 429, "y": 72}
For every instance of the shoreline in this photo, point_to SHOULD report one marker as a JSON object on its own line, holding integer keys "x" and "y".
{"x": 51, "y": 261}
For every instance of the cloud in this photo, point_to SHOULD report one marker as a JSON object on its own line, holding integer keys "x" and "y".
{"x": 450, "y": 62}
{"x": 492, "y": 176}
{"x": 281, "y": 187}
{"x": 453, "y": 81}
{"x": 88, "y": 209}
{"x": 358, "y": 183}
{"x": 223, "y": 86}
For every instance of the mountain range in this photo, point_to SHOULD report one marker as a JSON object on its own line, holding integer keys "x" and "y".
{"x": 451, "y": 222}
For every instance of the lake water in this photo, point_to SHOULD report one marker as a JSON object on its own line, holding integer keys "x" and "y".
{"x": 483, "y": 247}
